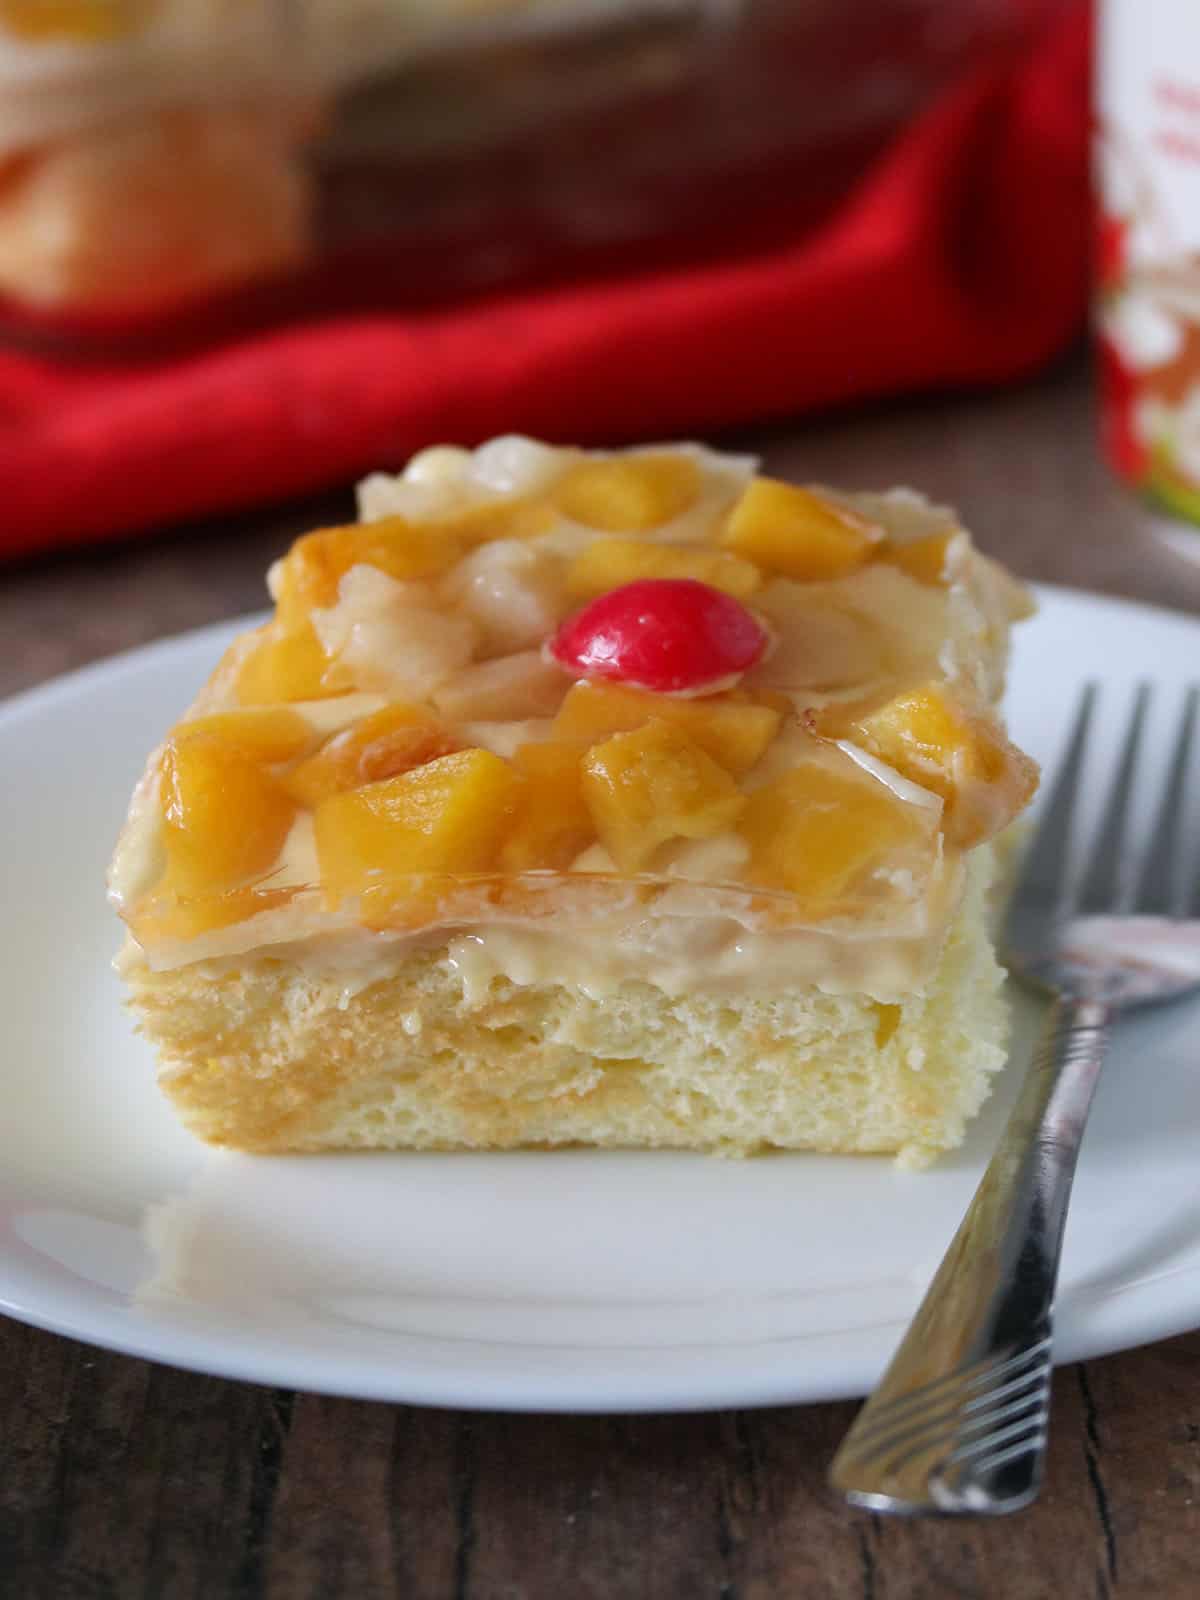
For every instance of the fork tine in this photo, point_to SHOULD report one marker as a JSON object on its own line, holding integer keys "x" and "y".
{"x": 1163, "y": 887}
{"x": 1106, "y": 883}
{"x": 1041, "y": 887}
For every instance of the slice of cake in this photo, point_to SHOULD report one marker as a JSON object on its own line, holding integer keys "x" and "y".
{"x": 598, "y": 799}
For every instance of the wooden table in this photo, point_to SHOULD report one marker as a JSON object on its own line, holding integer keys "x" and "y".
{"x": 119, "y": 1479}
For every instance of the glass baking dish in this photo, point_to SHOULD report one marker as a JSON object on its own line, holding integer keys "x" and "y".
{"x": 170, "y": 167}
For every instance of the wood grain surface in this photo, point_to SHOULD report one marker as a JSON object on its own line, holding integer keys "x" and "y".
{"x": 120, "y": 1479}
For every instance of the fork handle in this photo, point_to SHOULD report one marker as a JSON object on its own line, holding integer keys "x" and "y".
{"x": 958, "y": 1421}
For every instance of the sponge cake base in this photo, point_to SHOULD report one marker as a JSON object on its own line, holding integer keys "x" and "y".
{"x": 262, "y": 1054}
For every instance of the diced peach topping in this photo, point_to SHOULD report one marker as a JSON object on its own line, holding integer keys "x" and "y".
{"x": 456, "y": 619}
{"x": 449, "y": 816}
{"x": 553, "y": 823}
{"x": 952, "y": 750}
{"x": 926, "y": 560}
{"x": 609, "y": 563}
{"x": 783, "y": 528}
{"x": 224, "y": 817}
{"x": 271, "y": 734}
{"x": 393, "y": 740}
{"x": 495, "y": 519}
{"x": 628, "y": 494}
{"x": 819, "y": 834}
{"x": 732, "y": 728}
{"x": 652, "y": 785}
{"x": 289, "y": 666}
{"x": 309, "y": 574}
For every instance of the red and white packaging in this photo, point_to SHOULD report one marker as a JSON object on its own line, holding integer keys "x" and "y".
{"x": 1148, "y": 245}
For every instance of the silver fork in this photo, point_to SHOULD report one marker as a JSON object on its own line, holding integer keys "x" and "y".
{"x": 958, "y": 1422}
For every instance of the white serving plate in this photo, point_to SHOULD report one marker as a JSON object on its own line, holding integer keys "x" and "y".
{"x": 569, "y": 1281}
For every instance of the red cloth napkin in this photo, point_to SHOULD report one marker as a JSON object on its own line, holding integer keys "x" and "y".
{"x": 960, "y": 257}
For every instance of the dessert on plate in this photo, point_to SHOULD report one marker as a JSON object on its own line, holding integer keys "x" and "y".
{"x": 582, "y": 798}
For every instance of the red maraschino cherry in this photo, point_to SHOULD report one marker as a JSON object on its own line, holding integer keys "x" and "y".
{"x": 671, "y": 635}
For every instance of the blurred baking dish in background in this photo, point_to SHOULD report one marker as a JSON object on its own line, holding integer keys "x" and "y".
{"x": 261, "y": 157}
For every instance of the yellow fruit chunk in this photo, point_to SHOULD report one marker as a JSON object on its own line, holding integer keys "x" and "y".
{"x": 646, "y": 787}
{"x": 609, "y": 563}
{"x": 553, "y": 822}
{"x": 289, "y": 666}
{"x": 951, "y": 750}
{"x": 393, "y": 740}
{"x": 265, "y": 733}
{"x": 926, "y": 560}
{"x": 494, "y": 519}
{"x": 818, "y": 833}
{"x": 628, "y": 493}
{"x": 786, "y": 529}
{"x": 75, "y": 19}
{"x": 731, "y": 728}
{"x": 224, "y": 817}
{"x": 449, "y": 816}
{"x": 309, "y": 574}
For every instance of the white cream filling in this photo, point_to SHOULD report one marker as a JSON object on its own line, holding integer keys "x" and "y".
{"x": 677, "y": 954}
{"x": 682, "y": 955}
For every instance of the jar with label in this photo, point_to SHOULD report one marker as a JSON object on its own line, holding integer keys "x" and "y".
{"x": 1148, "y": 246}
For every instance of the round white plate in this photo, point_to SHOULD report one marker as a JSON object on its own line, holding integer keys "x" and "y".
{"x": 576, "y": 1280}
